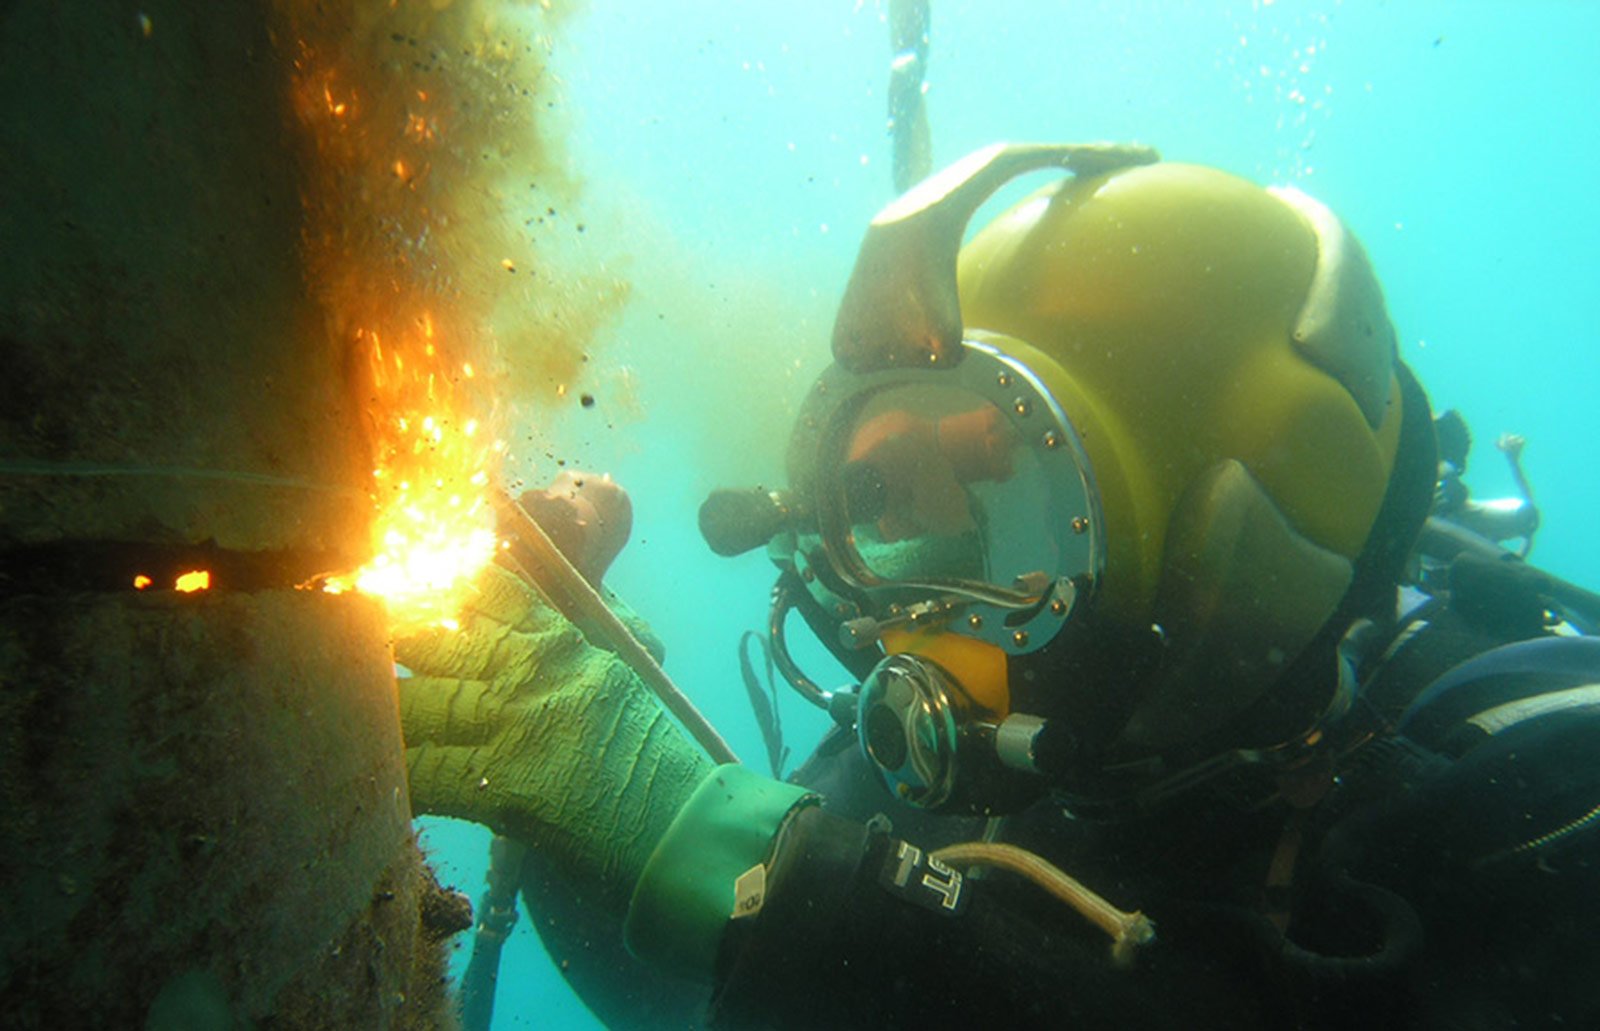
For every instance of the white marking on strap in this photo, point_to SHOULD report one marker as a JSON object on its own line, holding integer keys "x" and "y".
{"x": 1493, "y": 721}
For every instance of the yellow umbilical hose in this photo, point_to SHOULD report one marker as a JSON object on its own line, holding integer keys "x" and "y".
{"x": 1128, "y": 931}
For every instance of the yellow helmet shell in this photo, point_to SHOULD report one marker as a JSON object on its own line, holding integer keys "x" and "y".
{"x": 1224, "y": 353}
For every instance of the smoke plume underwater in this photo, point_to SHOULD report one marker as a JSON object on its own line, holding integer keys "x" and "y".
{"x": 436, "y": 196}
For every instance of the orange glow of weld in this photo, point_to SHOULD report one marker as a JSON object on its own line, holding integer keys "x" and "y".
{"x": 434, "y": 530}
{"x": 141, "y": 582}
{"x": 387, "y": 224}
{"x": 194, "y": 580}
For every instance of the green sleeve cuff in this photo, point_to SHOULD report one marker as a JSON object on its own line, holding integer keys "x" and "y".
{"x": 685, "y": 896}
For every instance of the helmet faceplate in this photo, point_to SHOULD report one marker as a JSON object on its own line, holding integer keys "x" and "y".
{"x": 958, "y": 496}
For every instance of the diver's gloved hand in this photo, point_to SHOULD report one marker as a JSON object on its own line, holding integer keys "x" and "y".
{"x": 517, "y": 722}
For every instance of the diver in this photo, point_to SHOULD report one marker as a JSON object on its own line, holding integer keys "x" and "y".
{"x": 1117, "y": 515}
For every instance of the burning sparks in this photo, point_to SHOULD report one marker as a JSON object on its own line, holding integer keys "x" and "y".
{"x": 420, "y": 128}
{"x": 407, "y": 240}
{"x": 141, "y": 582}
{"x": 425, "y": 565}
{"x": 337, "y": 108}
{"x": 435, "y": 529}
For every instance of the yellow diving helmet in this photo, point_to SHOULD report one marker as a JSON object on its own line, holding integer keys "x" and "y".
{"x": 1088, "y": 488}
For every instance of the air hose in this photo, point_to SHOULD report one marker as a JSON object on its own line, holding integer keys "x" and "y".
{"x": 1128, "y": 931}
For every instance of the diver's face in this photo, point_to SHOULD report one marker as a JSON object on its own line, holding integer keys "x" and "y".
{"x": 963, "y": 484}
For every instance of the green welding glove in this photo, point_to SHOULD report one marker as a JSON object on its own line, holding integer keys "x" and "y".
{"x": 515, "y": 721}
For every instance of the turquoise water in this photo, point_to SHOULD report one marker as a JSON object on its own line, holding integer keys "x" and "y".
{"x": 732, "y": 154}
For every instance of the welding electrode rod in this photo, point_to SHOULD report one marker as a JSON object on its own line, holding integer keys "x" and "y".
{"x": 572, "y": 595}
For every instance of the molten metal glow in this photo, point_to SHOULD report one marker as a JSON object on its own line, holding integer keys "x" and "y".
{"x": 432, "y": 543}
{"x": 434, "y": 530}
{"x": 419, "y": 568}
{"x": 408, "y": 233}
{"x": 141, "y": 581}
{"x": 194, "y": 580}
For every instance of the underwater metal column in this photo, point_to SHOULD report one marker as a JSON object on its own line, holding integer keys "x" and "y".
{"x": 204, "y": 795}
